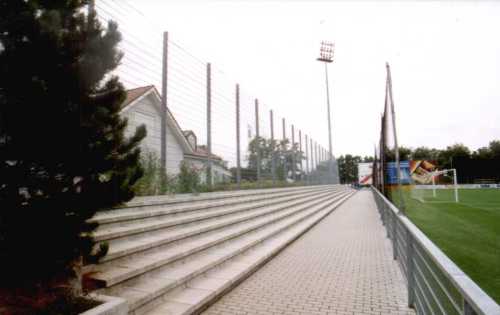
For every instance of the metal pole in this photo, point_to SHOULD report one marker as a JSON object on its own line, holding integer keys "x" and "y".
{"x": 410, "y": 274}
{"x": 209, "y": 125}
{"x": 273, "y": 152}
{"x": 307, "y": 160}
{"x": 164, "y": 110}
{"x": 91, "y": 15}
{"x": 382, "y": 154}
{"x": 284, "y": 150}
{"x": 330, "y": 167}
{"x": 456, "y": 184}
{"x": 238, "y": 153}
{"x": 257, "y": 138}
{"x": 316, "y": 160}
{"x": 301, "y": 155}
{"x": 316, "y": 154}
{"x": 394, "y": 236}
{"x": 433, "y": 187}
{"x": 312, "y": 154}
{"x": 294, "y": 176}
{"x": 396, "y": 148}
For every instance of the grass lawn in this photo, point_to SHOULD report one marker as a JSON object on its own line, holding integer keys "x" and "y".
{"x": 468, "y": 231}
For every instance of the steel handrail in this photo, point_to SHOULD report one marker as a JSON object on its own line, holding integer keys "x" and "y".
{"x": 475, "y": 300}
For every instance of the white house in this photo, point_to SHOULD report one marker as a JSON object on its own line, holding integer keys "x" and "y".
{"x": 143, "y": 107}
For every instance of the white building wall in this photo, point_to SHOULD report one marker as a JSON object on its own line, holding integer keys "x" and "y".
{"x": 174, "y": 153}
{"x": 219, "y": 174}
{"x": 145, "y": 112}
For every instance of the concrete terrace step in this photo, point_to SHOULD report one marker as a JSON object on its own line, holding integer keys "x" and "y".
{"x": 149, "y": 223}
{"x": 153, "y": 239}
{"x": 143, "y": 207}
{"x": 183, "y": 198}
{"x": 123, "y": 269}
{"x": 184, "y": 288}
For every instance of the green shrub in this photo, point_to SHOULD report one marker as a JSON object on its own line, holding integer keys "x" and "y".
{"x": 155, "y": 180}
{"x": 188, "y": 179}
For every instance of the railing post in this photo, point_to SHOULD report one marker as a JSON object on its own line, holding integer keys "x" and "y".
{"x": 410, "y": 269}
{"x": 382, "y": 210}
{"x": 468, "y": 309}
{"x": 387, "y": 219}
{"x": 394, "y": 236}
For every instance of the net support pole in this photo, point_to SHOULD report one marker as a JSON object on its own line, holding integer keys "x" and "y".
{"x": 257, "y": 138}
{"x": 164, "y": 110}
{"x": 456, "y": 184}
{"x": 402, "y": 205}
{"x": 238, "y": 149}
{"x": 273, "y": 156}
{"x": 209, "y": 126}
{"x": 433, "y": 187}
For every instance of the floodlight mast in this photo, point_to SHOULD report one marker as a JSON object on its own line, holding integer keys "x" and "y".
{"x": 326, "y": 56}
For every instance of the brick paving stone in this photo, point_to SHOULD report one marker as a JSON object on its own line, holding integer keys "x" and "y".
{"x": 343, "y": 265}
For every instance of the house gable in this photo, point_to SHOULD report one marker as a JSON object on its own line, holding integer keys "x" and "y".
{"x": 146, "y": 109}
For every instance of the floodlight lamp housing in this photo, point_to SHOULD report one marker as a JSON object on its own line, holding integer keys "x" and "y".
{"x": 326, "y": 52}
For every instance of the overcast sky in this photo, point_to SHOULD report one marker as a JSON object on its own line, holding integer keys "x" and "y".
{"x": 445, "y": 60}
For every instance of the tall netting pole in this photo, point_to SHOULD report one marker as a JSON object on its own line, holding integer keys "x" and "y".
{"x": 238, "y": 148}
{"x": 307, "y": 162}
{"x": 382, "y": 155}
{"x": 300, "y": 155}
{"x": 209, "y": 125}
{"x": 273, "y": 148}
{"x": 285, "y": 169}
{"x": 294, "y": 165}
{"x": 257, "y": 138}
{"x": 164, "y": 111}
{"x": 311, "y": 148}
{"x": 402, "y": 205}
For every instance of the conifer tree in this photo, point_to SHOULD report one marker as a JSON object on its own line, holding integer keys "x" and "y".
{"x": 63, "y": 154}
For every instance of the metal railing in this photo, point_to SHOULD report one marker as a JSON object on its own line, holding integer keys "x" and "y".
{"x": 436, "y": 285}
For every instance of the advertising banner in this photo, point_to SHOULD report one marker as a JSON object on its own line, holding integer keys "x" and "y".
{"x": 392, "y": 176}
{"x": 365, "y": 171}
{"x": 421, "y": 171}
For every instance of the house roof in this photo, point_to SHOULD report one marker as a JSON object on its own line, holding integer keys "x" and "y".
{"x": 133, "y": 98}
{"x": 134, "y": 94}
{"x": 202, "y": 151}
{"x": 188, "y": 132}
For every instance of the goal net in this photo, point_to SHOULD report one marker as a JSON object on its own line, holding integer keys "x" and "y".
{"x": 441, "y": 186}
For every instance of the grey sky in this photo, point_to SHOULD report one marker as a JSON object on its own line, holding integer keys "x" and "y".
{"x": 445, "y": 60}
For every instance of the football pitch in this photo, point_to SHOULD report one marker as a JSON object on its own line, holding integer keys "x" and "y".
{"x": 468, "y": 231}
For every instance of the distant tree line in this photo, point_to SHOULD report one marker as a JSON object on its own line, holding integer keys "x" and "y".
{"x": 261, "y": 152}
{"x": 348, "y": 167}
{"x": 348, "y": 164}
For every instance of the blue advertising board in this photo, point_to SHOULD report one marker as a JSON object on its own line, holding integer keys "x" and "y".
{"x": 392, "y": 176}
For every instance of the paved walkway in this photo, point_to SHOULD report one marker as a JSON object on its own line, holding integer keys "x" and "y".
{"x": 343, "y": 265}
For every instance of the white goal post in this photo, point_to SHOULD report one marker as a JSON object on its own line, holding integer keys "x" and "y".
{"x": 431, "y": 177}
{"x": 443, "y": 172}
